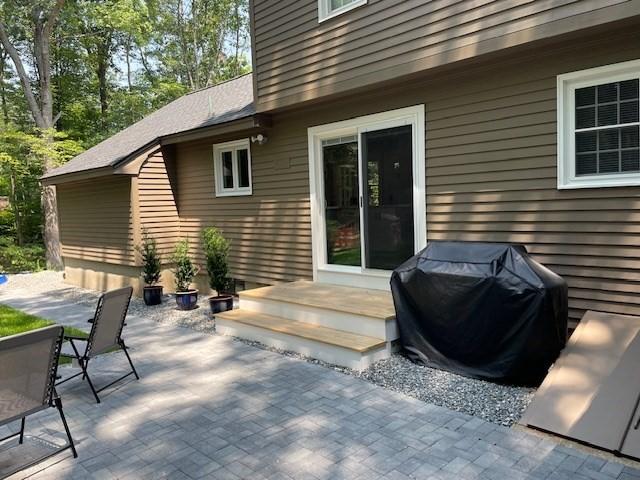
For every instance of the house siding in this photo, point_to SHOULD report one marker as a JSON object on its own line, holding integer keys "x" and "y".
{"x": 270, "y": 230}
{"x": 157, "y": 203}
{"x": 491, "y": 176}
{"x": 96, "y": 221}
{"x": 299, "y": 59}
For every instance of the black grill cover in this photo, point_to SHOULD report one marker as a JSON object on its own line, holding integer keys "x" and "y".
{"x": 483, "y": 310}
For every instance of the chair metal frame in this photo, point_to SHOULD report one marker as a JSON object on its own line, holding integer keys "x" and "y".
{"x": 84, "y": 357}
{"x": 53, "y": 401}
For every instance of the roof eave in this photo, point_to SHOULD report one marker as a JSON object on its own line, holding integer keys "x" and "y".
{"x": 130, "y": 164}
{"x": 76, "y": 176}
{"x": 249, "y": 122}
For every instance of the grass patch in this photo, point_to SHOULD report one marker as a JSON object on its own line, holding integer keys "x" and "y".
{"x": 14, "y": 321}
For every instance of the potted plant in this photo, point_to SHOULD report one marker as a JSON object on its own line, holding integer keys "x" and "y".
{"x": 184, "y": 271}
{"x": 151, "y": 268}
{"x": 216, "y": 251}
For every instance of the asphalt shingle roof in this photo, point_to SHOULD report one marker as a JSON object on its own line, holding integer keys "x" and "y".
{"x": 227, "y": 101}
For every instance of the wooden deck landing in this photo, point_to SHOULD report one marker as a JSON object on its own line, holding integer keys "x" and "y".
{"x": 358, "y": 301}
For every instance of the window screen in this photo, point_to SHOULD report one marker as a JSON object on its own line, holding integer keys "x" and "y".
{"x": 607, "y": 135}
{"x": 336, "y": 4}
{"x": 243, "y": 168}
{"x": 227, "y": 169}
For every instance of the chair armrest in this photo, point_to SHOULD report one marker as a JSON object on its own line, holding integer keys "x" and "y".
{"x": 74, "y": 337}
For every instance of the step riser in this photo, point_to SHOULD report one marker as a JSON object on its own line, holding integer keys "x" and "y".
{"x": 321, "y": 351}
{"x": 361, "y": 325}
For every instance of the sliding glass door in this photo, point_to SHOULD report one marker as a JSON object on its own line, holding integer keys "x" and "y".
{"x": 368, "y": 198}
{"x": 387, "y": 212}
{"x": 342, "y": 201}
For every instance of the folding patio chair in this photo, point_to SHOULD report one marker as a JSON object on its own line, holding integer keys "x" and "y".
{"x": 28, "y": 368}
{"x": 105, "y": 335}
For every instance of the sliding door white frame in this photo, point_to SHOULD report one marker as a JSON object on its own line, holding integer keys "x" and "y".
{"x": 350, "y": 275}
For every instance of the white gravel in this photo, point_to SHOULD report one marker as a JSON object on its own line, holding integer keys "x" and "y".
{"x": 495, "y": 403}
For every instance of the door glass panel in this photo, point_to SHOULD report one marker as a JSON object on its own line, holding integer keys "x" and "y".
{"x": 388, "y": 207}
{"x": 342, "y": 213}
{"x": 227, "y": 170}
{"x": 243, "y": 168}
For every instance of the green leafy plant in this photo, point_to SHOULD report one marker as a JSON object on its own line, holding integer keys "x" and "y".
{"x": 184, "y": 270}
{"x": 216, "y": 251}
{"x": 151, "y": 260}
{"x": 16, "y": 259}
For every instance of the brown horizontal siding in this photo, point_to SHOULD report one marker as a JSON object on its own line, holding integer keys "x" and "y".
{"x": 298, "y": 58}
{"x": 491, "y": 172}
{"x": 270, "y": 231}
{"x": 491, "y": 176}
{"x": 157, "y": 205}
{"x": 95, "y": 220}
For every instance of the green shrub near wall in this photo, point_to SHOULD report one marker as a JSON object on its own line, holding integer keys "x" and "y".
{"x": 15, "y": 259}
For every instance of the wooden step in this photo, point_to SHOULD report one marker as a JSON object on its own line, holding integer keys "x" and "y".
{"x": 377, "y": 304}
{"x": 315, "y": 333}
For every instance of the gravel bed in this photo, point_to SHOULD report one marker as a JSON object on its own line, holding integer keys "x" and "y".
{"x": 501, "y": 404}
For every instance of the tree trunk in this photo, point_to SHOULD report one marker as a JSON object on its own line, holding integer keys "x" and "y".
{"x": 25, "y": 81}
{"x": 51, "y": 228}
{"x": 237, "y": 53}
{"x": 127, "y": 54}
{"x": 17, "y": 214}
{"x": 147, "y": 69}
{"x": 51, "y": 232}
{"x": 3, "y": 93}
{"x": 43, "y": 65}
{"x": 103, "y": 51}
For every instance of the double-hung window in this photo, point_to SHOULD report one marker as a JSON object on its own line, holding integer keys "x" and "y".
{"x": 599, "y": 127}
{"x": 330, "y": 8}
{"x": 232, "y": 168}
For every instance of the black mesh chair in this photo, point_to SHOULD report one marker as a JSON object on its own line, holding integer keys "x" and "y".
{"x": 105, "y": 335}
{"x": 28, "y": 368}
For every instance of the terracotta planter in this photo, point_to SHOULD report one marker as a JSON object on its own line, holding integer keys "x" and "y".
{"x": 221, "y": 303}
{"x": 152, "y": 295}
{"x": 187, "y": 300}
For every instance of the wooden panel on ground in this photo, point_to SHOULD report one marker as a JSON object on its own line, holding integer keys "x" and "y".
{"x": 590, "y": 394}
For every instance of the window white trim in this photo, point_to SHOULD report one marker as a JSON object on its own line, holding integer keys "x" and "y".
{"x": 566, "y": 87}
{"x": 232, "y": 147}
{"x": 360, "y": 276}
{"x": 325, "y": 12}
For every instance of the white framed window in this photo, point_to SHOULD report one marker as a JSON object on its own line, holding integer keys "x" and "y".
{"x": 232, "y": 168}
{"x": 599, "y": 127}
{"x": 330, "y": 8}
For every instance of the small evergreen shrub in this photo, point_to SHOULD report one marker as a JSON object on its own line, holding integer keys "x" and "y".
{"x": 216, "y": 251}
{"x": 151, "y": 260}
{"x": 184, "y": 270}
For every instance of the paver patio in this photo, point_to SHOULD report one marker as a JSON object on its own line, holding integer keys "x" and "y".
{"x": 209, "y": 407}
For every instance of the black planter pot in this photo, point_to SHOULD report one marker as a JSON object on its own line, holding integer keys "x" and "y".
{"x": 221, "y": 303}
{"x": 152, "y": 295}
{"x": 187, "y": 300}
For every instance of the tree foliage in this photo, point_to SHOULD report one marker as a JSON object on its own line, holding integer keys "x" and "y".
{"x": 74, "y": 72}
{"x": 22, "y": 161}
